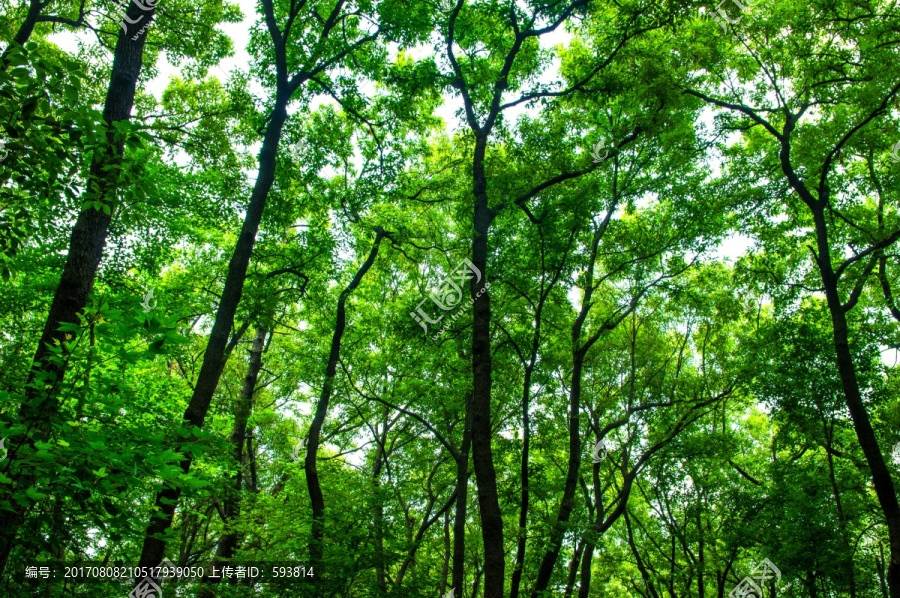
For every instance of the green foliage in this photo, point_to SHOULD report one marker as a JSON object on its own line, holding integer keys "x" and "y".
{"x": 713, "y": 381}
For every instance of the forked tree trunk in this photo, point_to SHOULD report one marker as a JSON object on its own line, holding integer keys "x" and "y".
{"x": 214, "y": 358}
{"x": 567, "y": 504}
{"x": 32, "y": 18}
{"x": 525, "y": 496}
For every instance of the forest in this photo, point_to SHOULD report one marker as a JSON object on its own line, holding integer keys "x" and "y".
{"x": 449, "y": 298}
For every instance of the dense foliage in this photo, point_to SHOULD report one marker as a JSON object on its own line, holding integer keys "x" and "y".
{"x": 452, "y": 297}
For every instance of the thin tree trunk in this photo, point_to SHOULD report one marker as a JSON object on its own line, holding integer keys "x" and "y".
{"x": 567, "y": 504}
{"x": 77, "y": 280}
{"x": 579, "y": 349}
{"x": 214, "y": 357}
{"x": 416, "y": 541}
{"x": 637, "y": 558}
{"x": 251, "y": 462}
{"x": 881, "y": 477}
{"x": 701, "y": 588}
{"x": 316, "y": 498}
{"x": 526, "y": 432}
{"x": 573, "y": 568}
{"x": 447, "y": 553}
{"x": 228, "y": 543}
{"x": 380, "y": 456}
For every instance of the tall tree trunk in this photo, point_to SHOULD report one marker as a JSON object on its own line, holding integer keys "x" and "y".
{"x": 579, "y": 350}
{"x": 526, "y": 433}
{"x": 77, "y": 280}
{"x": 415, "y": 542}
{"x": 573, "y": 568}
{"x": 232, "y": 503}
{"x": 214, "y": 357}
{"x": 584, "y": 583}
{"x": 316, "y": 498}
{"x": 482, "y": 458}
{"x": 881, "y": 477}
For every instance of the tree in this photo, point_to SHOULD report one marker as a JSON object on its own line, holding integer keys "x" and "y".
{"x": 801, "y": 155}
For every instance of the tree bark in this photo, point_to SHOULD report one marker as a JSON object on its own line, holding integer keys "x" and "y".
{"x": 27, "y": 26}
{"x": 567, "y": 504}
{"x": 548, "y": 562}
{"x": 842, "y": 521}
{"x": 445, "y": 569}
{"x": 482, "y": 458}
{"x": 523, "y": 473}
{"x": 76, "y": 282}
